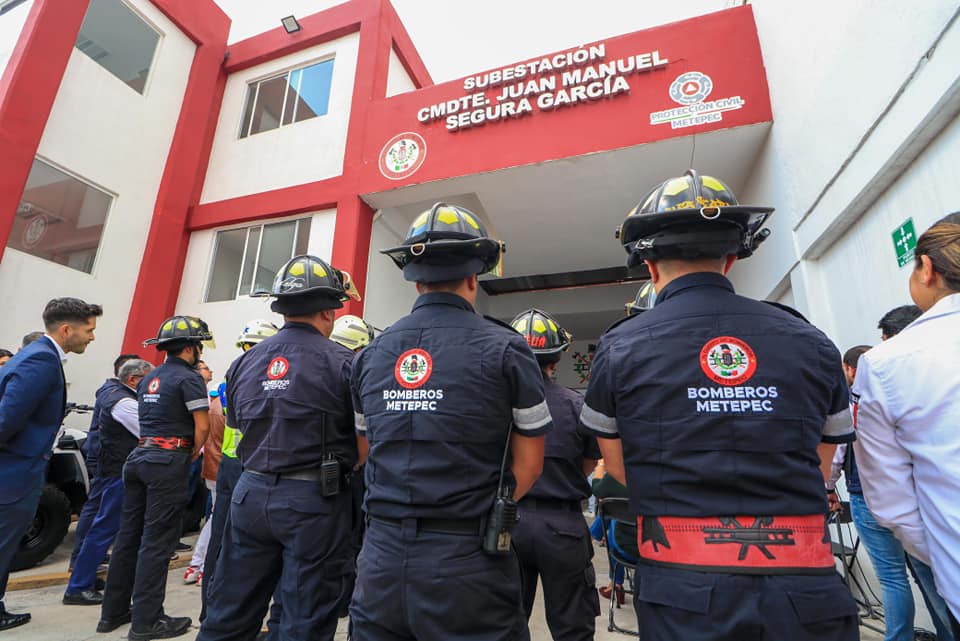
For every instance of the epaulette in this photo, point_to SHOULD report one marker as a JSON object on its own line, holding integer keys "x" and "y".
{"x": 500, "y": 322}
{"x": 621, "y": 321}
{"x": 787, "y": 309}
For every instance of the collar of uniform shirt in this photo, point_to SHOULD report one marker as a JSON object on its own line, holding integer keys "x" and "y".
{"x": 442, "y": 298}
{"x": 299, "y": 325}
{"x": 700, "y": 279}
{"x": 60, "y": 352}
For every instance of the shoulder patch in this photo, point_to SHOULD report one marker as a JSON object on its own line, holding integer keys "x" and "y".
{"x": 501, "y": 323}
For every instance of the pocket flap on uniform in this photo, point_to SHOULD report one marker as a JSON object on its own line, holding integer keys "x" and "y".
{"x": 310, "y": 504}
{"x": 829, "y": 602}
{"x": 239, "y": 494}
{"x": 675, "y": 592}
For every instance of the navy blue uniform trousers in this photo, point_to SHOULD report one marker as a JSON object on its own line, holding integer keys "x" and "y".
{"x": 228, "y": 475}
{"x": 283, "y": 534}
{"x": 87, "y": 515}
{"x": 424, "y": 585}
{"x": 156, "y": 486}
{"x": 676, "y": 604}
{"x": 99, "y": 536}
{"x": 554, "y": 545}
{"x": 15, "y": 519}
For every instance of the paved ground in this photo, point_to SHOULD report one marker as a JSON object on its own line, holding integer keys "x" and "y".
{"x": 53, "y": 621}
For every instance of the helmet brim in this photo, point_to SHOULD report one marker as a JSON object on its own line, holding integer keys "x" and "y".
{"x": 749, "y": 219}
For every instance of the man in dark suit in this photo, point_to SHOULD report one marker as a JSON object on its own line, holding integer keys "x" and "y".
{"x": 33, "y": 396}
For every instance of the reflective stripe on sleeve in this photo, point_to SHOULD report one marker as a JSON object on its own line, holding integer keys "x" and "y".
{"x": 839, "y": 424}
{"x": 598, "y": 420}
{"x": 531, "y": 418}
{"x": 199, "y": 404}
{"x": 360, "y": 422}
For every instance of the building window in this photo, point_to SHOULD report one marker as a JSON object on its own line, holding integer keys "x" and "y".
{"x": 60, "y": 218}
{"x": 246, "y": 260}
{"x": 119, "y": 41}
{"x": 295, "y": 96}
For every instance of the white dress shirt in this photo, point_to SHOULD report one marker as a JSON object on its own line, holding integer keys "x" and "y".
{"x": 907, "y": 396}
{"x": 126, "y": 413}
{"x": 62, "y": 354}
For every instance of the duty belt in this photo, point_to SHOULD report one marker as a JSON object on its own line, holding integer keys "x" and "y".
{"x": 737, "y": 544}
{"x": 299, "y": 475}
{"x": 167, "y": 443}
{"x": 436, "y": 526}
{"x": 549, "y": 504}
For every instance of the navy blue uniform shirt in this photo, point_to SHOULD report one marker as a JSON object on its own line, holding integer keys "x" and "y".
{"x": 720, "y": 402}
{"x": 437, "y": 395}
{"x": 167, "y": 398}
{"x": 565, "y": 449}
{"x": 290, "y": 398}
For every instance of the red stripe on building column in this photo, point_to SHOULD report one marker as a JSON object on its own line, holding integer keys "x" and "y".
{"x": 351, "y": 245}
{"x": 158, "y": 284}
{"x": 28, "y": 89}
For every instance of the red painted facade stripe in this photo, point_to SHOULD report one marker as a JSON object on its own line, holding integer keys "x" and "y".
{"x": 325, "y": 26}
{"x": 161, "y": 269}
{"x": 28, "y": 90}
{"x": 288, "y": 201}
{"x": 405, "y": 49}
{"x": 351, "y": 245}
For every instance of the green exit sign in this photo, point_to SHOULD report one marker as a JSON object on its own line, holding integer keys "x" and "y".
{"x": 904, "y": 242}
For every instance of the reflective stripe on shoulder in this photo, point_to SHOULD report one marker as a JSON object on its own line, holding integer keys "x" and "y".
{"x": 838, "y": 424}
{"x": 360, "y": 422}
{"x": 531, "y": 418}
{"x": 199, "y": 404}
{"x": 598, "y": 420}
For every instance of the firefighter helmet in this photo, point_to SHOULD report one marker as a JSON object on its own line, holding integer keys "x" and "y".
{"x": 307, "y": 284}
{"x": 543, "y": 334}
{"x": 352, "y": 332}
{"x": 692, "y": 216}
{"x": 446, "y": 242}
{"x": 256, "y": 331}
{"x": 178, "y": 332}
{"x": 646, "y": 297}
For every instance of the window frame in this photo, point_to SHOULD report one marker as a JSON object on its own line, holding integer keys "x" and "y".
{"x": 215, "y": 245}
{"x": 108, "y": 216}
{"x": 288, "y": 72}
{"x": 161, "y": 36}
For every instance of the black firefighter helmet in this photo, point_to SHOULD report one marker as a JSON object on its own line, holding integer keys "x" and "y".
{"x": 446, "y": 242}
{"x": 307, "y": 284}
{"x": 543, "y": 334}
{"x": 692, "y": 216}
{"x": 178, "y": 332}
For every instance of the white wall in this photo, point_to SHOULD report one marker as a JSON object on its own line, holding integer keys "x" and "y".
{"x": 107, "y": 133}
{"x": 227, "y": 318}
{"x": 398, "y": 80}
{"x": 296, "y": 154}
{"x": 11, "y": 24}
{"x": 826, "y": 94}
{"x": 925, "y": 192}
{"x": 388, "y": 296}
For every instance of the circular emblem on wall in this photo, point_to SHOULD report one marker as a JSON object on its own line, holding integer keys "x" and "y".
{"x": 35, "y": 231}
{"x": 278, "y": 368}
{"x": 691, "y": 87}
{"x": 154, "y": 386}
{"x": 728, "y": 360}
{"x": 402, "y": 155}
{"x": 413, "y": 368}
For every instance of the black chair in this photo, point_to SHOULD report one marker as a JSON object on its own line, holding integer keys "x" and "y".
{"x": 847, "y": 555}
{"x": 617, "y": 509}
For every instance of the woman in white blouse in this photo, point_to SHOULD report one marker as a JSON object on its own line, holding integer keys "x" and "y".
{"x": 907, "y": 409}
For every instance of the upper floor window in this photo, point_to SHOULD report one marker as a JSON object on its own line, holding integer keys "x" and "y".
{"x": 245, "y": 260}
{"x": 294, "y": 96}
{"x": 119, "y": 41}
{"x": 60, "y": 218}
